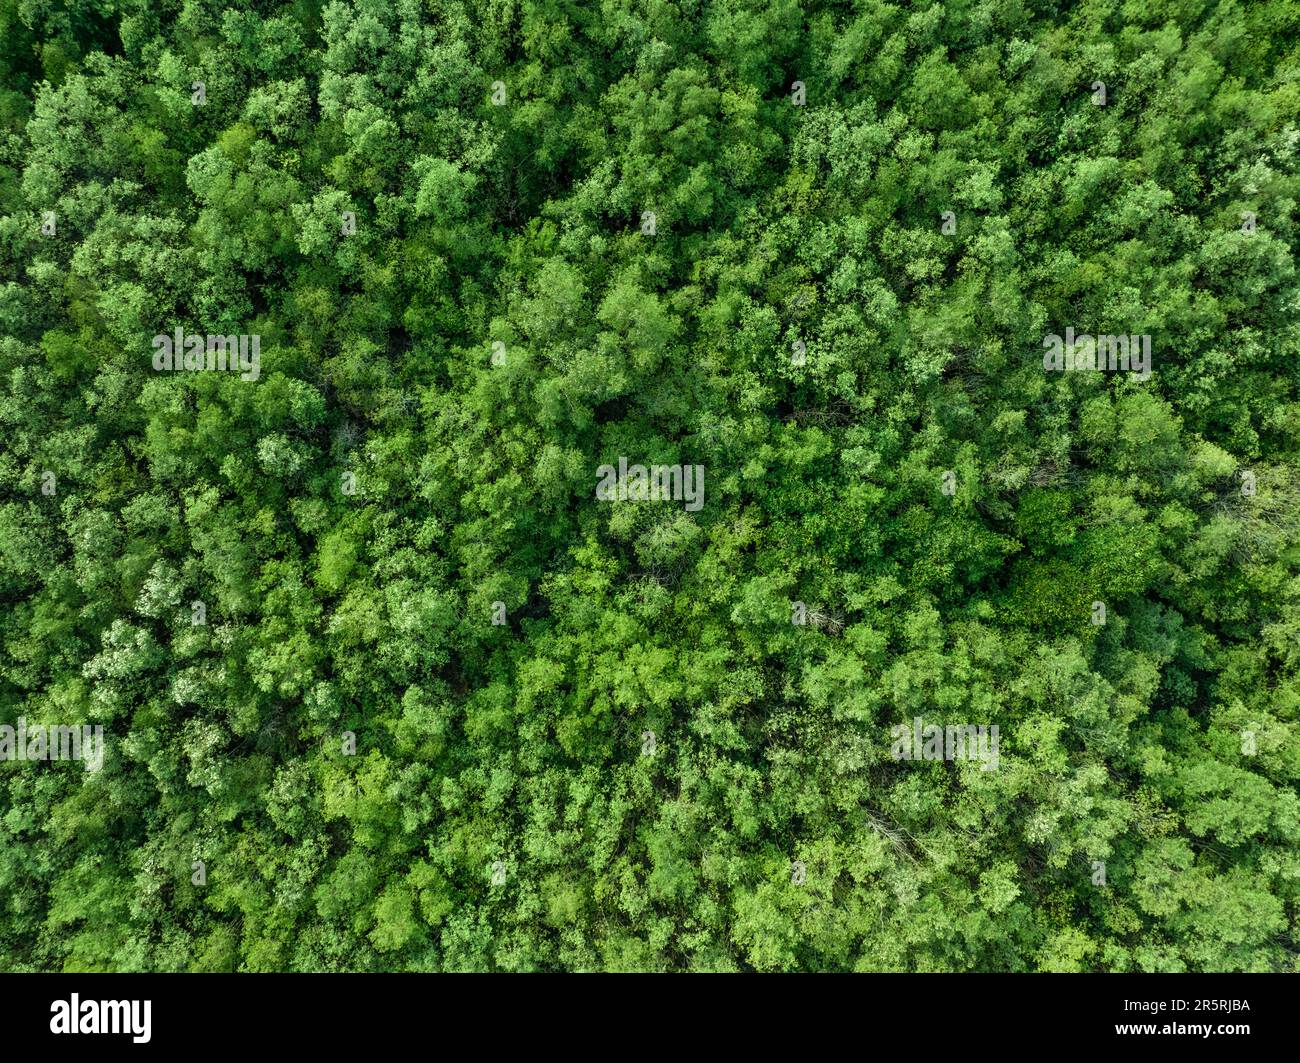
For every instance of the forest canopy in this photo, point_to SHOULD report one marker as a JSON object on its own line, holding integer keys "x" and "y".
{"x": 623, "y": 445}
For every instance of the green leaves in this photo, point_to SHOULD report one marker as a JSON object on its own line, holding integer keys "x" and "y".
{"x": 368, "y": 645}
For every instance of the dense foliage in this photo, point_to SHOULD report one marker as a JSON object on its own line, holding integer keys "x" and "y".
{"x": 438, "y": 389}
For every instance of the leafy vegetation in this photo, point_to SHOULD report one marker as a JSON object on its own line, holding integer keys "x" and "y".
{"x": 438, "y": 388}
